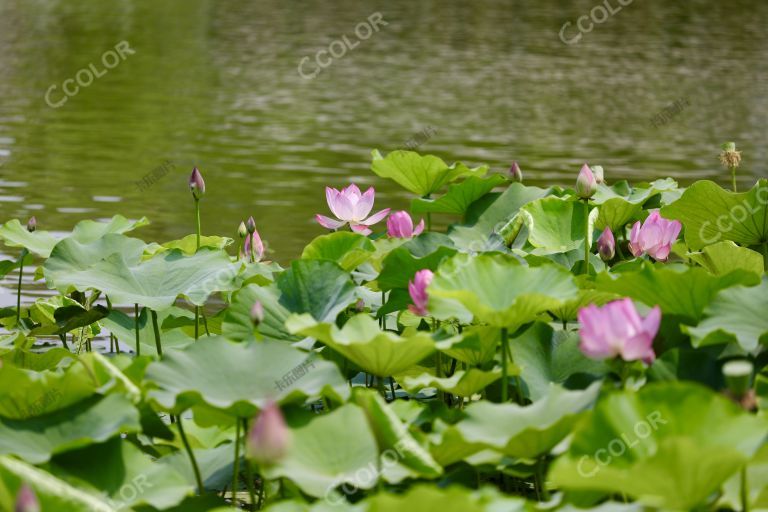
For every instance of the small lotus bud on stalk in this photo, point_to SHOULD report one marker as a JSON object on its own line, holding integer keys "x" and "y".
{"x": 196, "y": 184}
{"x": 257, "y": 313}
{"x": 597, "y": 170}
{"x": 242, "y": 231}
{"x": 606, "y": 245}
{"x": 32, "y": 224}
{"x": 515, "y": 174}
{"x": 586, "y": 185}
{"x": 250, "y": 225}
{"x": 26, "y": 500}
{"x": 731, "y": 159}
{"x": 269, "y": 438}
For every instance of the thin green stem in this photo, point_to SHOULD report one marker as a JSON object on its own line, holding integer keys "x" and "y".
{"x": 136, "y": 324}
{"x": 586, "y": 238}
{"x": 236, "y": 470}
{"x": 380, "y": 386}
{"x": 197, "y": 322}
{"x": 504, "y": 369}
{"x": 156, "y": 328}
{"x": 197, "y": 248}
{"x": 248, "y": 472}
{"x": 392, "y": 387}
{"x": 18, "y": 289}
{"x": 733, "y": 179}
{"x": 744, "y": 490}
{"x": 195, "y": 467}
{"x": 541, "y": 480}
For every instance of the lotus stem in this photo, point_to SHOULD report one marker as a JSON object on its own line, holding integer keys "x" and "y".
{"x": 586, "y": 237}
{"x": 156, "y": 328}
{"x": 136, "y": 325}
{"x": 541, "y": 480}
{"x": 504, "y": 369}
{"x": 392, "y": 387}
{"x": 197, "y": 248}
{"x": 236, "y": 470}
{"x": 382, "y": 389}
{"x": 249, "y": 473}
{"x": 744, "y": 490}
{"x": 18, "y": 289}
{"x": 733, "y": 179}
{"x": 191, "y": 454}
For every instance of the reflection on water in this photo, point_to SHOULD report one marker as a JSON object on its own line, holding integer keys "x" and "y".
{"x": 216, "y": 84}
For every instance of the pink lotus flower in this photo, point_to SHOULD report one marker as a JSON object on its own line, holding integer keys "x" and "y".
{"x": 196, "y": 184}
{"x": 417, "y": 289}
{"x": 269, "y": 437}
{"x": 351, "y": 207}
{"x": 586, "y": 184}
{"x": 253, "y": 248}
{"x": 26, "y": 500}
{"x": 400, "y": 225}
{"x": 606, "y": 245}
{"x": 654, "y": 237}
{"x": 616, "y": 329}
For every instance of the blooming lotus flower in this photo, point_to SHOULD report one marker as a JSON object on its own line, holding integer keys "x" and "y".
{"x": 32, "y": 224}
{"x": 606, "y": 245}
{"x": 253, "y": 248}
{"x": 400, "y": 225}
{"x": 515, "y": 173}
{"x": 196, "y": 184}
{"x": 257, "y": 312}
{"x": 269, "y": 437}
{"x": 616, "y": 329}
{"x": 26, "y": 500}
{"x": 417, "y": 289}
{"x": 654, "y": 237}
{"x": 351, "y": 207}
{"x": 586, "y": 184}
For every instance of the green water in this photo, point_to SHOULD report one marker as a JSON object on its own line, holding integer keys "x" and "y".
{"x": 216, "y": 84}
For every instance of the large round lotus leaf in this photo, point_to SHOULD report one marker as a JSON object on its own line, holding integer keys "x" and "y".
{"x": 320, "y": 288}
{"x": 402, "y": 263}
{"x": 158, "y": 282}
{"x": 422, "y": 175}
{"x": 545, "y": 355}
{"x": 343, "y": 247}
{"x": 88, "y": 230}
{"x": 736, "y": 314}
{"x": 679, "y": 290}
{"x": 621, "y": 204}
{"x": 39, "y": 242}
{"x": 393, "y": 436}
{"x": 462, "y": 383}
{"x": 526, "y": 431}
{"x": 451, "y": 499}
{"x": 710, "y": 214}
{"x": 459, "y": 196}
{"x": 238, "y": 324}
{"x": 215, "y": 464}
{"x": 499, "y": 291}
{"x": 240, "y": 378}
{"x": 124, "y": 327}
{"x": 671, "y": 445}
{"x": 476, "y": 345}
{"x": 124, "y": 473}
{"x": 724, "y": 257}
{"x": 556, "y": 225}
{"x": 382, "y": 353}
{"x": 92, "y": 420}
{"x": 52, "y": 493}
{"x": 188, "y": 244}
{"x": 331, "y": 450}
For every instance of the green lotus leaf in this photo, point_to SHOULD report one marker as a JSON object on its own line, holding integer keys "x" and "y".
{"x": 679, "y": 290}
{"x": 556, "y": 225}
{"x": 587, "y": 295}
{"x": 238, "y": 324}
{"x": 318, "y": 462}
{"x": 72, "y": 317}
{"x": 37, "y": 361}
{"x": 88, "y": 230}
{"x": 382, "y": 353}
{"x": 158, "y": 282}
{"x": 736, "y": 314}
{"x": 188, "y": 244}
{"x": 347, "y": 249}
{"x": 710, "y": 214}
{"x": 422, "y": 175}
{"x": 476, "y": 345}
{"x": 401, "y": 264}
{"x": 452, "y": 499}
{"x": 462, "y": 383}
{"x": 124, "y": 473}
{"x": 52, "y": 493}
{"x": 239, "y": 378}
{"x": 621, "y": 204}
{"x": 215, "y": 465}
{"x": 459, "y": 196}
{"x": 724, "y": 257}
{"x": 123, "y": 327}
{"x": 757, "y": 482}
{"x": 39, "y": 242}
{"x": 320, "y": 288}
{"x": 616, "y": 213}
{"x": 8, "y": 266}
{"x": 643, "y": 444}
{"x": 498, "y": 290}
{"x": 547, "y": 356}
{"x": 393, "y": 436}
{"x": 527, "y": 431}
{"x": 94, "y": 419}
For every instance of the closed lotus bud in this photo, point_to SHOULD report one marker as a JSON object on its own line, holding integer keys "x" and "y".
{"x": 269, "y": 437}
{"x": 32, "y": 224}
{"x": 257, "y": 313}
{"x": 242, "y": 231}
{"x": 515, "y": 173}
{"x": 730, "y": 158}
{"x": 586, "y": 185}
{"x": 26, "y": 500}
{"x": 606, "y": 245}
{"x": 251, "y": 225}
{"x": 597, "y": 170}
{"x": 360, "y": 305}
{"x": 196, "y": 184}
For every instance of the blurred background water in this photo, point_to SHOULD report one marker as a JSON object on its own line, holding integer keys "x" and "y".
{"x": 215, "y": 83}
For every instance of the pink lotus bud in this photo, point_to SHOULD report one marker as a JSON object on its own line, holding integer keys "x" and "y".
{"x": 616, "y": 329}
{"x": 32, "y": 224}
{"x": 360, "y": 305}
{"x": 26, "y": 500}
{"x": 269, "y": 438}
{"x": 257, "y": 246}
{"x": 257, "y": 312}
{"x": 242, "y": 231}
{"x": 196, "y": 184}
{"x": 250, "y": 225}
{"x": 586, "y": 186}
{"x": 417, "y": 289}
{"x": 515, "y": 173}
{"x": 597, "y": 170}
{"x": 400, "y": 225}
{"x": 606, "y": 245}
{"x": 655, "y": 236}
